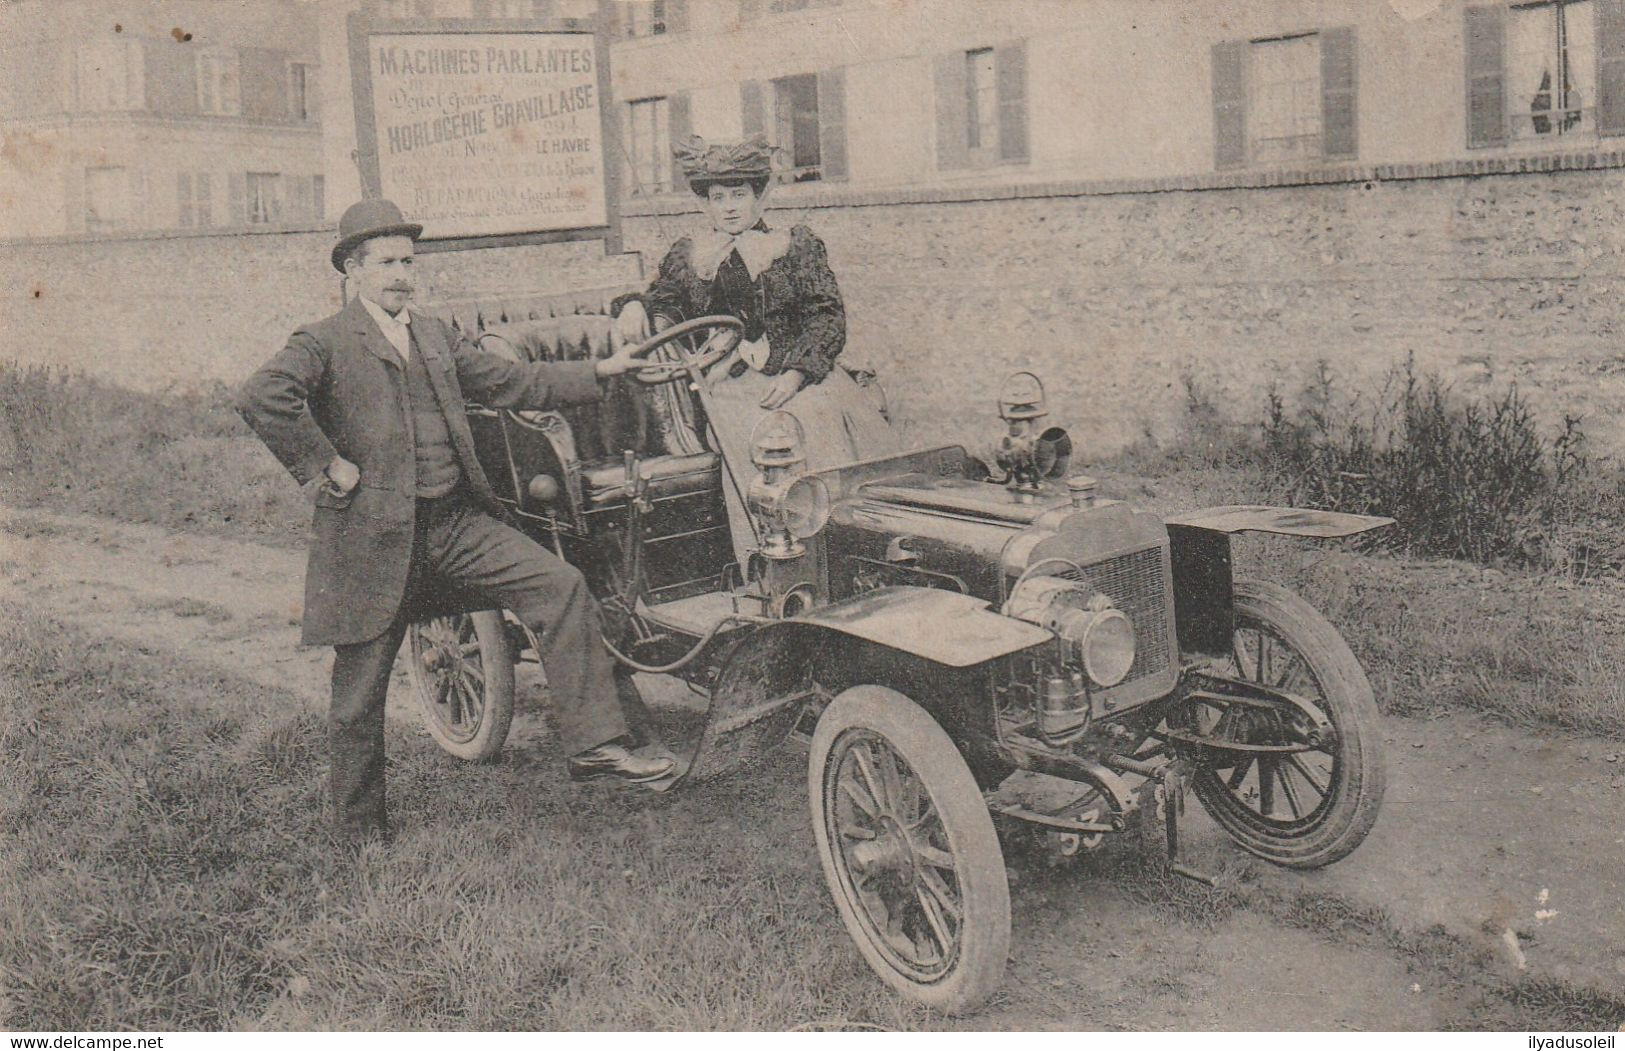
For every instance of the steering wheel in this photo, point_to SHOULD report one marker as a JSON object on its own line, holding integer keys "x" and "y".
{"x": 694, "y": 360}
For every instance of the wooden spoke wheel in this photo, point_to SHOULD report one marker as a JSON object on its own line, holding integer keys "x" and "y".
{"x": 1303, "y": 786}
{"x": 462, "y": 672}
{"x": 908, "y": 849}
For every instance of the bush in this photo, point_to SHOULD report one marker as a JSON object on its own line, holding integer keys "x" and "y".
{"x": 1473, "y": 479}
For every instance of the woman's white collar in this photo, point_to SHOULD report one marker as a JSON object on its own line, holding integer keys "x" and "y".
{"x": 758, "y": 248}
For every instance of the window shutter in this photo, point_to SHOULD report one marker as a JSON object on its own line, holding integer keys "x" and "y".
{"x": 205, "y": 200}
{"x": 1010, "y": 74}
{"x": 1610, "y": 67}
{"x": 236, "y": 199}
{"x": 1230, "y": 104}
{"x": 1486, "y": 91}
{"x": 135, "y": 76}
{"x": 676, "y": 16}
{"x": 832, "y": 159}
{"x": 680, "y": 124}
{"x": 1339, "y": 92}
{"x": 752, "y": 119}
{"x": 73, "y": 199}
{"x": 184, "y": 214}
{"x": 138, "y": 213}
{"x": 67, "y": 84}
{"x": 953, "y": 145}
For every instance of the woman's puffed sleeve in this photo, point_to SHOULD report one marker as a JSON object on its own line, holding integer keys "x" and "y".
{"x": 668, "y": 294}
{"x": 820, "y": 334}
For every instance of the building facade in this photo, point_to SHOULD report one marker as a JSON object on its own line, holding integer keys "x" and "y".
{"x": 164, "y": 115}
{"x": 938, "y": 93}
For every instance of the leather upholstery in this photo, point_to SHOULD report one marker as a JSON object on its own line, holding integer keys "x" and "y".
{"x": 656, "y": 422}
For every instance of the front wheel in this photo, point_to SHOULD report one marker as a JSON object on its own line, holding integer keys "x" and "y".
{"x": 1304, "y": 782}
{"x": 462, "y": 674}
{"x": 908, "y": 849}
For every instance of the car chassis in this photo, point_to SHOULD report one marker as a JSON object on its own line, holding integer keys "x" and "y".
{"x": 958, "y": 638}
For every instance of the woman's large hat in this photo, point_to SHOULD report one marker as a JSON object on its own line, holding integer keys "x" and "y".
{"x": 365, "y": 220}
{"x": 704, "y": 163}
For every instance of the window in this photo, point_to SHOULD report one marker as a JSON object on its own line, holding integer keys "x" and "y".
{"x": 107, "y": 199}
{"x": 643, "y": 18}
{"x": 981, "y": 101}
{"x": 1284, "y": 99}
{"x": 218, "y": 85}
{"x": 749, "y": 9}
{"x": 406, "y": 8}
{"x": 194, "y": 195}
{"x": 804, "y": 116}
{"x": 981, "y": 97}
{"x": 510, "y": 8}
{"x": 111, "y": 75}
{"x": 318, "y": 194}
{"x": 303, "y": 102}
{"x": 648, "y": 146}
{"x": 264, "y": 197}
{"x": 1551, "y": 51}
{"x": 795, "y": 123}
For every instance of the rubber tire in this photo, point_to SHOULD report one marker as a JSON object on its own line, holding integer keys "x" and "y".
{"x": 496, "y": 658}
{"x": 984, "y": 884}
{"x": 1349, "y": 704}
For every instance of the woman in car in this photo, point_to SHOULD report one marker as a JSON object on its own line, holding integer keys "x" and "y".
{"x": 778, "y": 283}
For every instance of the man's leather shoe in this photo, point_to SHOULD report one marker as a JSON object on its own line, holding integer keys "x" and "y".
{"x": 613, "y": 760}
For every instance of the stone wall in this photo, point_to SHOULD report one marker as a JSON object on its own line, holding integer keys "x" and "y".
{"x": 1116, "y": 293}
{"x": 182, "y": 311}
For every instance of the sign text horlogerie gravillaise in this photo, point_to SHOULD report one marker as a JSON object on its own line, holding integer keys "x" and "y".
{"x": 484, "y": 131}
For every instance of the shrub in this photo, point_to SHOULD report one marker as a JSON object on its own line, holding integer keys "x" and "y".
{"x": 1464, "y": 478}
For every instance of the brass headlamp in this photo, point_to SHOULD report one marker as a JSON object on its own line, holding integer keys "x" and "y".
{"x": 1027, "y": 455}
{"x": 789, "y": 507}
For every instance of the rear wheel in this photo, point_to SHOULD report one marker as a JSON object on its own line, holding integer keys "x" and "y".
{"x": 1304, "y": 783}
{"x": 908, "y": 849}
{"x": 462, "y": 673}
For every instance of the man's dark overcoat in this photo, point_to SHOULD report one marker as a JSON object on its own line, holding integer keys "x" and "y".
{"x": 339, "y": 387}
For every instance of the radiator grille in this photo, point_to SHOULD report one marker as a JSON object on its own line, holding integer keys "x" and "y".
{"x": 1134, "y": 583}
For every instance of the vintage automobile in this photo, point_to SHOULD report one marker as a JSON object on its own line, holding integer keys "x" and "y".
{"x": 960, "y": 638}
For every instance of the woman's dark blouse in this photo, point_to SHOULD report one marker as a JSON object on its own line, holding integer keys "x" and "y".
{"x": 794, "y": 302}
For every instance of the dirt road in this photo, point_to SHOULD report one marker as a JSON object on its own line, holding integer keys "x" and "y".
{"x": 1505, "y": 840}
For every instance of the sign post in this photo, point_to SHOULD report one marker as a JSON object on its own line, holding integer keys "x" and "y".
{"x": 488, "y": 133}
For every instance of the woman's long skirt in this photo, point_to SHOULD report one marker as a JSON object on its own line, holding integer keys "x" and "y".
{"x": 842, "y": 422}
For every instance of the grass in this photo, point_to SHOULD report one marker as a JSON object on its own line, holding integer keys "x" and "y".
{"x": 168, "y": 869}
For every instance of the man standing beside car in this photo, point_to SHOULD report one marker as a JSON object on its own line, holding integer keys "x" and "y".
{"x": 367, "y": 408}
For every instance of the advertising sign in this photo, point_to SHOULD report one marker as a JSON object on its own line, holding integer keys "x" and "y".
{"x": 484, "y": 132}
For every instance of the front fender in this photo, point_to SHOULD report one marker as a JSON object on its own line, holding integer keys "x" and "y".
{"x": 948, "y": 628}
{"x": 1199, "y": 546}
{"x": 1286, "y": 521}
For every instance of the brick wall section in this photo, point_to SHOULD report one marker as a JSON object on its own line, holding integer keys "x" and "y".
{"x": 179, "y": 311}
{"x": 1113, "y": 293}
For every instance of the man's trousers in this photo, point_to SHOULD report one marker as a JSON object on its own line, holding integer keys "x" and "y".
{"x": 457, "y": 547}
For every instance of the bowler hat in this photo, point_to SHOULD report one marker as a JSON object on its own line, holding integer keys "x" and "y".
{"x": 365, "y": 220}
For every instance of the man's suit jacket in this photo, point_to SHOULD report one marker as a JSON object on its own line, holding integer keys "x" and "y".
{"x": 339, "y": 388}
